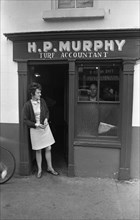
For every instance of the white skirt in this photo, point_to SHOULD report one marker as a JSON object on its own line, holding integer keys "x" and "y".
{"x": 41, "y": 138}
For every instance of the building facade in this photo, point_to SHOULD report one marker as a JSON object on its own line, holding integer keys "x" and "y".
{"x": 86, "y": 55}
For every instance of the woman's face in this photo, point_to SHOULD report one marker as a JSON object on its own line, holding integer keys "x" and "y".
{"x": 37, "y": 94}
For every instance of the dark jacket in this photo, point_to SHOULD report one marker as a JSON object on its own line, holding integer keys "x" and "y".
{"x": 28, "y": 115}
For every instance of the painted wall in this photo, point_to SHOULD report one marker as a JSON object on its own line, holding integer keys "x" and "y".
{"x": 135, "y": 152}
{"x": 8, "y": 84}
{"x": 136, "y": 96}
{"x": 26, "y": 16}
{"x": 96, "y": 162}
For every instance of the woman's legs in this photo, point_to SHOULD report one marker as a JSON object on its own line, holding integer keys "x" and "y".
{"x": 49, "y": 161}
{"x": 48, "y": 157}
{"x": 39, "y": 160}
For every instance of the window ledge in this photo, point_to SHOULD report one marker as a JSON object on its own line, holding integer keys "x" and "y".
{"x": 73, "y": 14}
{"x": 102, "y": 142}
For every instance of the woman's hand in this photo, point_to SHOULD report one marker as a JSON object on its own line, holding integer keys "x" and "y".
{"x": 40, "y": 126}
{"x": 46, "y": 121}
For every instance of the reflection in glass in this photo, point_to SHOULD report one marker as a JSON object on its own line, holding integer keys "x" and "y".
{"x": 98, "y": 108}
{"x": 87, "y": 120}
{"x": 87, "y": 77}
{"x": 66, "y": 3}
{"x": 109, "y": 119}
{"x": 84, "y": 3}
{"x": 109, "y": 83}
{"x": 75, "y": 3}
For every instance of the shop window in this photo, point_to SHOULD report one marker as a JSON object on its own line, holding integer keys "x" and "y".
{"x": 75, "y": 3}
{"x": 98, "y": 107}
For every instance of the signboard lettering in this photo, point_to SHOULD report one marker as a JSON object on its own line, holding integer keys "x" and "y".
{"x": 75, "y": 49}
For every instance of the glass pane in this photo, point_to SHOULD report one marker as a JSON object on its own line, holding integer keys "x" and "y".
{"x": 88, "y": 83}
{"x": 84, "y": 3}
{"x": 109, "y": 83}
{"x": 98, "y": 109}
{"x": 109, "y": 119}
{"x": 66, "y": 3}
{"x": 87, "y": 120}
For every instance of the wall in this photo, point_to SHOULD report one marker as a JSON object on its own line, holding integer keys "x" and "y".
{"x": 26, "y": 16}
{"x": 8, "y": 84}
{"x": 135, "y": 152}
{"x": 96, "y": 162}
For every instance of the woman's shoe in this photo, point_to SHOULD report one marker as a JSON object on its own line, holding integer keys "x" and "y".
{"x": 39, "y": 174}
{"x": 53, "y": 172}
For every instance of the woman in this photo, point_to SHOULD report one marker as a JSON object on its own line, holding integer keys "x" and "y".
{"x": 35, "y": 116}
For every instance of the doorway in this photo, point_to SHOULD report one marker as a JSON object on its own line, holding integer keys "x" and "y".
{"x": 54, "y": 81}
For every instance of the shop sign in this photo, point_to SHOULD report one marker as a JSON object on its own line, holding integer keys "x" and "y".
{"x": 74, "y": 49}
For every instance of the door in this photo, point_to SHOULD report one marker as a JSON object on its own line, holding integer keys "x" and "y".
{"x": 54, "y": 81}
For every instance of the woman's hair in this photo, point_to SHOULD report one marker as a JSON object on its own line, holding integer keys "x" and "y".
{"x": 33, "y": 88}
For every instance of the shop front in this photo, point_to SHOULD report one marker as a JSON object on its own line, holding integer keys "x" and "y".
{"x": 87, "y": 81}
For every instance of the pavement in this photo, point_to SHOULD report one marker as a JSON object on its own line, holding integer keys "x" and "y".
{"x": 66, "y": 198}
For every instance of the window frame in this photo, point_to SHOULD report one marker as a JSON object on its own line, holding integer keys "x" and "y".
{"x": 98, "y": 87}
{"x": 54, "y": 4}
{"x": 100, "y": 140}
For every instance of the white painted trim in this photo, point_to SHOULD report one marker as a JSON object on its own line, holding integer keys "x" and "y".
{"x": 136, "y": 96}
{"x": 73, "y": 13}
